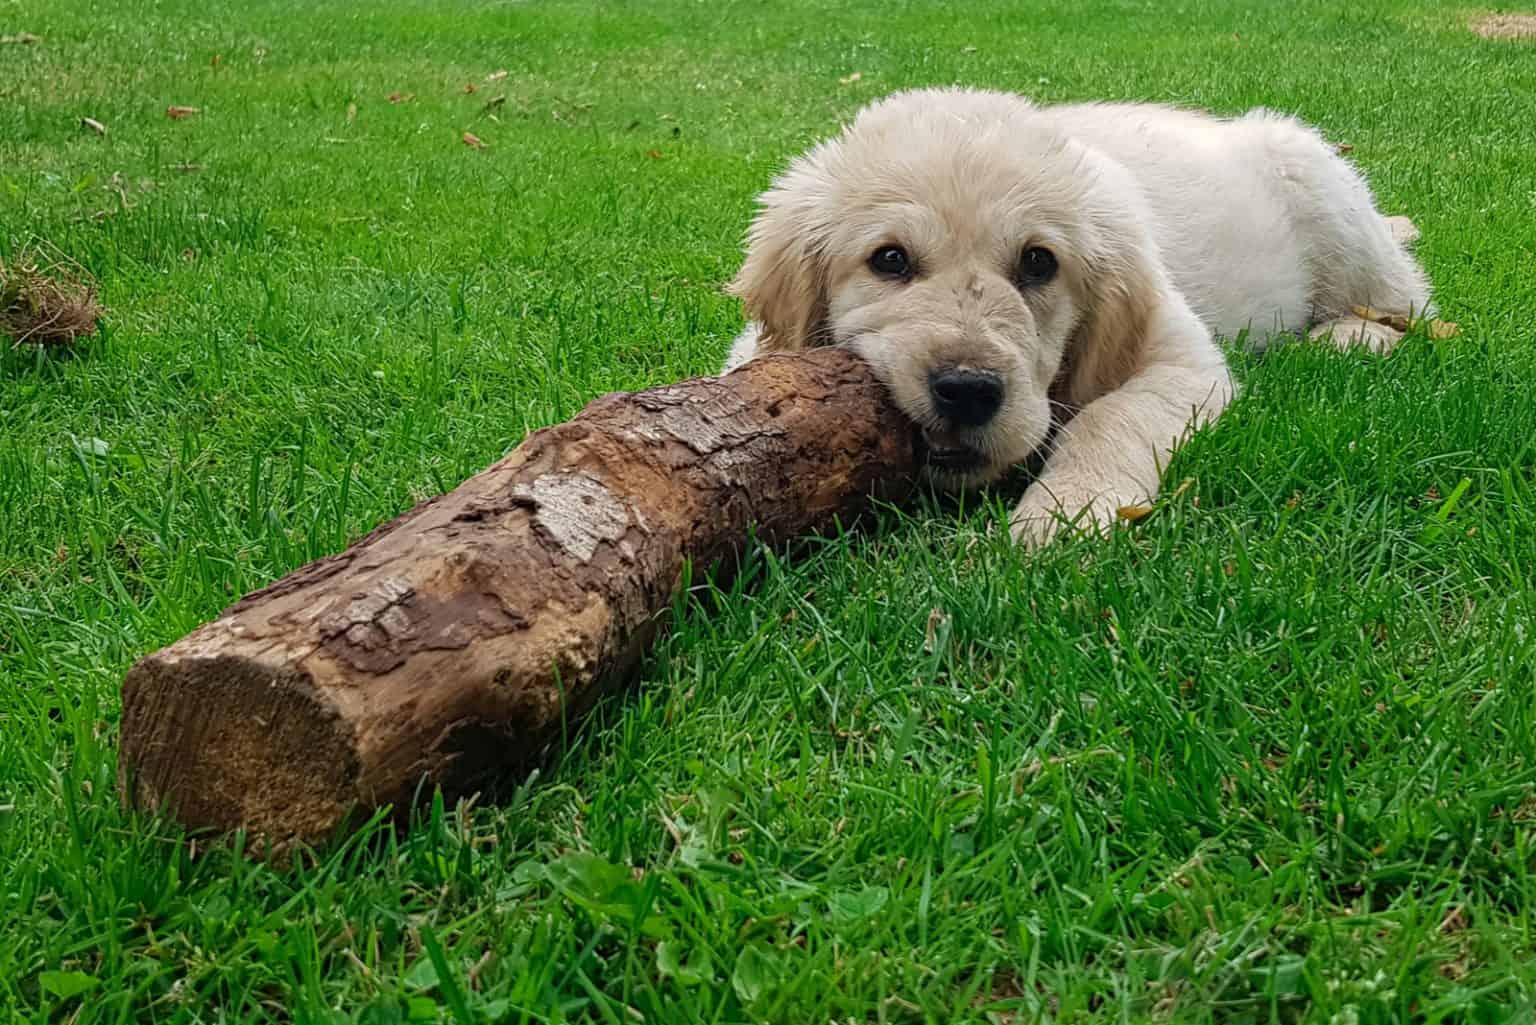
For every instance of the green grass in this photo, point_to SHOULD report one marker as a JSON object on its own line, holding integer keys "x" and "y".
{"x": 1268, "y": 757}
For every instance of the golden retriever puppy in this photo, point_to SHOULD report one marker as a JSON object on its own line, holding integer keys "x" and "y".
{"x": 1023, "y": 276}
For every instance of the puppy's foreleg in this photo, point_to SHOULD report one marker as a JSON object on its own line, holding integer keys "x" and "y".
{"x": 1112, "y": 454}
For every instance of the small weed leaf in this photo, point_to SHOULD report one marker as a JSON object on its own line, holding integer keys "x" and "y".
{"x": 384, "y": 1011}
{"x": 1285, "y": 976}
{"x": 606, "y": 890}
{"x": 422, "y": 975}
{"x": 66, "y": 985}
{"x": 695, "y": 968}
{"x": 758, "y": 970}
{"x": 93, "y": 447}
{"x": 851, "y": 906}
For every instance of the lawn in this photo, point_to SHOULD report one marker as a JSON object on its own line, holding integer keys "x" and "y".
{"x": 1270, "y": 755}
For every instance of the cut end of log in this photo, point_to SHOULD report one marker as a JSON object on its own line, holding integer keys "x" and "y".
{"x": 244, "y": 743}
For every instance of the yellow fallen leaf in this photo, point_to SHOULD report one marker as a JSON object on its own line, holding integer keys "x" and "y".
{"x": 1134, "y": 513}
{"x": 1396, "y": 321}
{"x": 473, "y": 141}
{"x": 177, "y": 113}
{"x": 1436, "y": 329}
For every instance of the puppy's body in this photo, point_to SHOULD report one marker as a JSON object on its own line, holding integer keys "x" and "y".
{"x": 1003, "y": 266}
{"x": 1261, "y": 225}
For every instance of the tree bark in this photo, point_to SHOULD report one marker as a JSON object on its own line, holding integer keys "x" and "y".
{"x": 451, "y": 646}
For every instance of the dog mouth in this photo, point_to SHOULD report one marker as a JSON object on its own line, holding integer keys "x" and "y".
{"x": 945, "y": 450}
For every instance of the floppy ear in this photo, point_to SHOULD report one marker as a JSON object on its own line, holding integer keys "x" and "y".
{"x": 1123, "y": 287}
{"x": 782, "y": 282}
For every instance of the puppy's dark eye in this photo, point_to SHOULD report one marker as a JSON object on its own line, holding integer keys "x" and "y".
{"x": 890, "y": 262}
{"x": 1036, "y": 266}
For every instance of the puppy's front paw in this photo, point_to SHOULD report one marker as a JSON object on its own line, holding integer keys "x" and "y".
{"x": 1041, "y": 515}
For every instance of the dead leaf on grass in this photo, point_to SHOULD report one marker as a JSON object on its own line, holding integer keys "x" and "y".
{"x": 1455, "y": 969}
{"x": 1344, "y": 148}
{"x": 93, "y": 125}
{"x": 401, "y": 97}
{"x": 1396, "y": 321}
{"x": 470, "y": 88}
{"x": 1435, "y": 328}
{"x": 493, "y": 103}
{"x": 850, "y": 79}
{"x": 496, "y": 76}
{"x": 654, "y": 154}
{"x": 473, "y": 141}
{"x": 22, "y": 39}
{"x": 938, "y": 624}
{"x": 1134, "y": 513}
{"x": 1005, "y": 1003}
{"x": 351, "y": 113}
{"x": 179, "y": 113}
{"x": 1454, "y": 921}
{"x": 1506, "y": 26}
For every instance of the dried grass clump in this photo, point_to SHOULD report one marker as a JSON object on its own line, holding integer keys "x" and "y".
{"x": 45, "y": 304}
{"x": 1506, "y": 26}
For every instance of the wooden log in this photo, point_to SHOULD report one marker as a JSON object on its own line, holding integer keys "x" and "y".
{"x": 453, "y": 645}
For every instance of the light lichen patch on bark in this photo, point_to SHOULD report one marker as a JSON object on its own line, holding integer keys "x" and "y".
{"x": 577, "y": 511}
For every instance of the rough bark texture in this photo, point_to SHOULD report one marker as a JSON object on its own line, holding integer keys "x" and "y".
{"x": 452, "y": 645}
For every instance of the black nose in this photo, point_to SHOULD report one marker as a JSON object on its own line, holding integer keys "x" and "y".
{"x": 966, "y": 398}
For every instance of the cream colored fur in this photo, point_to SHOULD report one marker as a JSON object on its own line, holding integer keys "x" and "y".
{"x": 1169, "y": 228}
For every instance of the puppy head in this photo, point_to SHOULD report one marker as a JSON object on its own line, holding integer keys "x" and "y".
{"x": 971, "y": 253}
